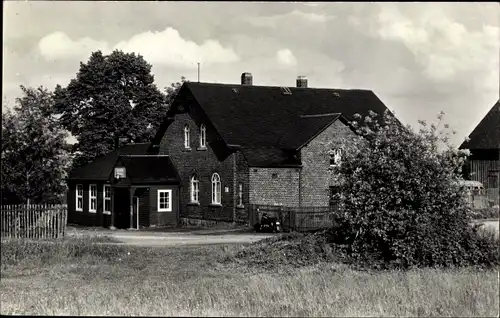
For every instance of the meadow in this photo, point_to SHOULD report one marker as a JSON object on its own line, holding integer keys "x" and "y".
{"x": 77, "y": 277}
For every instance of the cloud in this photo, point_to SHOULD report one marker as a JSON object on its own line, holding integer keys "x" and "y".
{"x": 58, "y": 45}
{"x": 285, "y": 57}
{"x": 166, "y": 47}
{"x": 442, "y": 47}
{"x": 295, "y": 15}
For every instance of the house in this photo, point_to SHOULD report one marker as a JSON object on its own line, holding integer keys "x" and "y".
{"x": 235, "y": 145}
{"x": 484, "y": 145}
{"x": 221, "y": 149}
{"x": 145, "y": 195}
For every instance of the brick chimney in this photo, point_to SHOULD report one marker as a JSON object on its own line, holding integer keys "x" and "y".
{"x": 302, "y": 81}
{"x": 246, "y": 78}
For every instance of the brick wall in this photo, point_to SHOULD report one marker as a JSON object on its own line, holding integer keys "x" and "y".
{"x": 204, "y": 163}
{"x": 271, "y": 186}
{"x": 315, "y": 173}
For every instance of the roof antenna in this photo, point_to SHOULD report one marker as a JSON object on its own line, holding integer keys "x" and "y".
{"x": 198, "y": 72}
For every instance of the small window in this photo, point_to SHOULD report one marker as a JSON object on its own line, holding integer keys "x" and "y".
{"x": 335, "y": 157}
{"x": 195, "y": 189}
{"x": 240, "y": 194}
{"x": 203, "y": 136}
{"x": 164, "y": 200}
{"x": 79, "y": 197}
{"x": 216, "y": 189}
{"x": 93, "y": 198}
{"x": 186, "y": 137}
{"x": 106, "y": 195}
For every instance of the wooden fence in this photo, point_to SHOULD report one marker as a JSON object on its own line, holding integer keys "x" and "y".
{"x": 298, "y": 219}
{"x": 33, "y": 221}
{"x": 489, "y": 198}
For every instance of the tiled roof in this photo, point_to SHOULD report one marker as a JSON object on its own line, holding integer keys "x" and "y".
{"x": 264, "y": 122}
{"x": 486, "y": 135}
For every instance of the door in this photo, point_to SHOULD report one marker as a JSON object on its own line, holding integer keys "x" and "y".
{"x": 122, "y": 208}
{"x": 135, "y": 224}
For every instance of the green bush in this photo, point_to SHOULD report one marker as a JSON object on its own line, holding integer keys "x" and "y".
{"x": 400, "y": 200}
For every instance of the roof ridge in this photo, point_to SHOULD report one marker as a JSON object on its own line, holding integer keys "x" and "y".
{"x": 236, "y": 85}
{"x": 319, "y": 115}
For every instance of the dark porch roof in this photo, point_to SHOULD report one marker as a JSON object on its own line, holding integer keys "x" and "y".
{"x": 486, "y": 135}
{"x": 101, "y": 167}
{"x": 149, "y": 169}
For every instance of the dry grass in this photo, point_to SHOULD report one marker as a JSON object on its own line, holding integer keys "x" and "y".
{"x": 79, "y": 278}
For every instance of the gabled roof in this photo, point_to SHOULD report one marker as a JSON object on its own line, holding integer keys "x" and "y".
{"x": 101, "y": 167}
{"x": 149, "y": 169}
{"x": 486, "y": 135}
{"x": 305, "y": 128}
{"x": 268, "y": 123}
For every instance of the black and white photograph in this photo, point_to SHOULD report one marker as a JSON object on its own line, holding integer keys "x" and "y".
{"x": 262, "y": 159}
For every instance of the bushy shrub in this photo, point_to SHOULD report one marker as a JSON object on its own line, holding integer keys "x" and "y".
{"x": 401, "y": 203}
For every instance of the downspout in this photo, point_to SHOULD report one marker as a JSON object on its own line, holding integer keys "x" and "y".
{"x": 300, "y": 187}
{"x": 234, "y": 187}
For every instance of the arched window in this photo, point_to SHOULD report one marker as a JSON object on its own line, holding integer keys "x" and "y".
{"x": 186, "y": 136}
{"x": 195, "y": 189}
{"x": 203, "y": 136}
{"x": 216, "y": 189}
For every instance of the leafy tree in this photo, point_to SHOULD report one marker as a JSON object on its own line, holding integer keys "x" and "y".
{"x": 172, "y": 90}
{"x": 402, "y": 205}
{"x": 111, "y": 97}
{"x": 35, "y": 155}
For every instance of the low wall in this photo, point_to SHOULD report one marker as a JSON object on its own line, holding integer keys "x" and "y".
{"x": 206, "y": 223}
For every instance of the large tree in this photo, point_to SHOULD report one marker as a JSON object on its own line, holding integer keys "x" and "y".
{"x": 35, "y": 154}
{"x": 172, "y": 90}
{"x": 112, "y": 96}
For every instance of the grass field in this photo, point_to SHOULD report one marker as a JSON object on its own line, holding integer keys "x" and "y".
{"x": 80, "y": 278}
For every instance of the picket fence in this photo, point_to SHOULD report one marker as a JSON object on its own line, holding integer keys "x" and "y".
{"x": 33, "y": 221}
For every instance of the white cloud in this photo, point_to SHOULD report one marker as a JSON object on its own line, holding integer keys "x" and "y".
{"x": 295, "y": 15}
{"x": 285, "y": 57}
{"x": 167, "y": 47}
{"x": 58, "y": 45}
{"x": 443, "y": 47}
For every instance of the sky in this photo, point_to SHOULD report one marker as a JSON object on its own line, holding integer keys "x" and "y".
{"x": 418, "y": 58}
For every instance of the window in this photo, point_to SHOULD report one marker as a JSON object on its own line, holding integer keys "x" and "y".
{"x": 92, "y": 198}
{"x": 203, "y": 136}
{"x": 335, "y": 157}
{"x": 106, "y": 194}
{"x": 186, "y": 137}
{"x": 195, "y": 189}
{"x": 164, "y": 200}
{"x": 240, "y": 194}
{"x": 216, "y": 189}
{"x": 79, "y": 197}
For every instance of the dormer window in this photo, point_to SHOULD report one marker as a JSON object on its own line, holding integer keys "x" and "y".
{"x": 203, "y": 136}
{"x": 335, "y": 157}
{"x": 186, "y": 137}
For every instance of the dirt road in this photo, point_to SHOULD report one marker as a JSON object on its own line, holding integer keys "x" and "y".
{"x": 187, "y": 239}
{"x": 147, "y": 238}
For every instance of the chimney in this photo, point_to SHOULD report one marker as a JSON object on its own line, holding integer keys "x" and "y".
{"x": 302, "y": 81}
{"x": 246, "y": 78}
